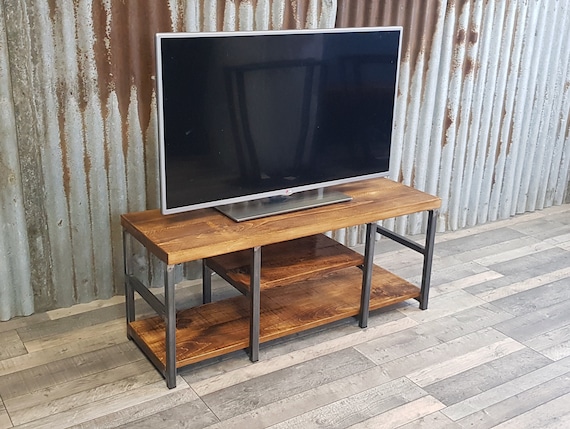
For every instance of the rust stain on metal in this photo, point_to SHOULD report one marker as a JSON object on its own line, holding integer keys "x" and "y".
{"x": 52, "y": 9}
{"x": 418, "y": 19}
{"x": 448, "y": 123}
{"x": 294, "y": 9}
{"x": 460, "y": 39}
{"x": 124, "y": 53}
{"x": 87, "y": 165}
{"x": 66, "y": 171}
{"x": 473, "y": 37}
{"x": 469, "y": 67}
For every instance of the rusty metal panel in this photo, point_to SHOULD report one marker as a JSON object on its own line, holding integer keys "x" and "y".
{"x": 482, "y": 120}
{"x": 483, "y": 110}
{"x": 16, "y": 295}
{"x": 77, "y": 80}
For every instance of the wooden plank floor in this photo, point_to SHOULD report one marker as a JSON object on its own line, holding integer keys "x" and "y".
{"x": 492, "y": 351}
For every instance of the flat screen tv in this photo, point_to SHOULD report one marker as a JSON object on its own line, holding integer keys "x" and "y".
{"x": 259, "y": 122}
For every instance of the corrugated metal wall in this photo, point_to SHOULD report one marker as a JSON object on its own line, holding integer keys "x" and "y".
{"x": 484, "y": 104}
{"x": 483, "y": 120}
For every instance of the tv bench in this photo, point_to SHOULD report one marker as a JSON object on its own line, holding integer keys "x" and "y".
{"x": 292, "y": 277}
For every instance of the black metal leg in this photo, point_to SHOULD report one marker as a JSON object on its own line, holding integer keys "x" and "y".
{"x": 367, "y": 275}
{"x": 170, "y": 321}
{"x": 206, "y": 283}
{"x": 428, "y": 257}
{"x": 255, "y": 304}
{"x": 129, "y": 291}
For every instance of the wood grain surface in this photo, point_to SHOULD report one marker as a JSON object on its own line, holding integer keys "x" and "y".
{"x": 283, "y": 263}
{"x": 221, "y": 327}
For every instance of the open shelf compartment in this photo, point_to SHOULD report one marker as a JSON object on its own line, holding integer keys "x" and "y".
{"x": 221, "y": 327}
{"x": 286, "y": 262}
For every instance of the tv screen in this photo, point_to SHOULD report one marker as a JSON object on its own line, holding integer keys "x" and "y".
{"x": 257, "y": 116}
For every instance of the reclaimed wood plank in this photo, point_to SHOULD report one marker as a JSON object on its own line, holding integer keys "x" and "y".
{"x": 286, "y": 262}
{"x": 213, "y": 234}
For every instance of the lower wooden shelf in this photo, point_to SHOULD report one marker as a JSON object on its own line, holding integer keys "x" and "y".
{"x": 221, "y": 327}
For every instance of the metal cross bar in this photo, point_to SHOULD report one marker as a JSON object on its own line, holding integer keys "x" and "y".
{"x": 426, "y": 250}
{"x": 367, "y": 275}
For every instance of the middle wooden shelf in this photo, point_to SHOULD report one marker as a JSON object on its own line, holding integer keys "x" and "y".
{"x": 287, "y": 262}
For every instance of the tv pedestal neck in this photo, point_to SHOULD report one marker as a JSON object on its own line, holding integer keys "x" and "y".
{"x": 292, "y": 276}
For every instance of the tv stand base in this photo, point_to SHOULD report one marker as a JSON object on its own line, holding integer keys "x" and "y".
{"x": 281, "y": 204}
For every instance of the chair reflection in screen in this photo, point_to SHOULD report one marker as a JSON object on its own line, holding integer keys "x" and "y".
{"x": 273, "y": 109}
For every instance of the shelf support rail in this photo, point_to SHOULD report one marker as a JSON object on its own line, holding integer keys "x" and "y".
{"x": 426, "y": 250}
{"x": 255, "y": 303}
{"x": 367, "y": 276}
{"x": 170, "y": 321}
{"x": 129, "y": 289}
{"x": 206, "y": 283}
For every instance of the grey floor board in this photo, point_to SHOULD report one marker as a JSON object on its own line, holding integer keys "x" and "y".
{"x": 519, "y": 405}
{"x": 544, "y": 227}
{"x": 554, "y": 373}
{"x": 356, "y": 408}
{"x": 427, "y": 359}
{"x": 12, "y": 345}
{"x": 145, "y": 409}
{"x": 402, "y": 415}
{"x": 533, "y": 264}
{"x": 480, "y": 254}
{"x": 22, "y": 322}
{"x": 478, "y": 241}
{"x": 490, "y": 285}
{"x": 533, "y": 324}
{"x": 443, "y": 273}
{"x": 53, "y": 327}
{"x": 554, "y": 344}
{"x": 272, "y": 387}
{"x": 486, "y": 376}
{"x": 554, "y": 414}
{"x": 435, "y": 420}
{"x": 491, "y": 351}
{"x": 65, "y": 370}
{"x": 88, "y": 395}
{"x": 194, "y": 414}
{"x": 463, "y": 322}
{"x": 444, "y": 305}
{"x": 307, "y": 400}
{"x": 432, "y": 333}
{"x": 536, "y": 298}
